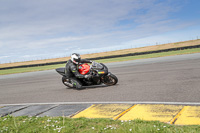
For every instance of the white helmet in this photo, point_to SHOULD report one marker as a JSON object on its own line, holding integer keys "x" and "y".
{"x": 75, "y": 58}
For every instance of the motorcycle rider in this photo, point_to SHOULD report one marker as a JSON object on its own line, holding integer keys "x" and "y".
{"x": 72, "y": 73}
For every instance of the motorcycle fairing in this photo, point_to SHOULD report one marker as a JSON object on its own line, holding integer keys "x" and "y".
{"x": 102, "y": 72}
{"x": 84, "y": 69}
{"x": 61, "y": 71}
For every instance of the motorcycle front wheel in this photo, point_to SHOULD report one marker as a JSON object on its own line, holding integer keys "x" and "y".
{"x": 110, "y": 79}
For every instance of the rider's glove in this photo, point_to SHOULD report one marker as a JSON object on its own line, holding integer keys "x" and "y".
{"x": 88, "y": 76}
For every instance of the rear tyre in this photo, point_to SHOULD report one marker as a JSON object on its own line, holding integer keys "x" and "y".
{"x": 110, "y": 79}
{"x": 67, "y": 82}
{"x": 72, "y": 83}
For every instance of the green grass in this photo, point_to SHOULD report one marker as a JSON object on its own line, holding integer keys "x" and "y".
{"x": 30, "y": 69}
{"x": 25, "y": 124}
{"x": 41, "y": 68}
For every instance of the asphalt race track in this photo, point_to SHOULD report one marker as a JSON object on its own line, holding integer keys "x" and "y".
{"x": 164, "y": 79}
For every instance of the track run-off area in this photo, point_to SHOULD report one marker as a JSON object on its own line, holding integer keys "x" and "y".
{"x": 165, "y": 89}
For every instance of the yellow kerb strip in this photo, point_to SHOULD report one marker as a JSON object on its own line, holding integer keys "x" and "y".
{"x": 190, "y": 116}
{"x": 176, "y": 117}
{"x": 103, "y": 111}
{"x": 163, "y": 113}
{"x": 117, "y": 117}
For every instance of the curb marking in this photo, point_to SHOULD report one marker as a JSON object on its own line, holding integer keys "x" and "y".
{"x": 176, "y": 117}
{"x": 11, "y": 109}
{"x": 117, "y": 117}
{"x": 172, "y": 114}
{"x": 190, "y": 116}
{"x": 163, "y": 113}
{"x": 103, "y": 111}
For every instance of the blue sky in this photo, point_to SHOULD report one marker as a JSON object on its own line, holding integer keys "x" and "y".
{"x": 42, "y": 29}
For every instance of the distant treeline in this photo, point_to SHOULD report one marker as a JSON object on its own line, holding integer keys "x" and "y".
{"x": 108, "y": 57}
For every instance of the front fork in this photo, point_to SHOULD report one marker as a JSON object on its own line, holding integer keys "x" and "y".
{"x": 103, "y": 77}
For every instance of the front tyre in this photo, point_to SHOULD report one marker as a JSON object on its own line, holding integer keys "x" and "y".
{"x": 110, "y": 79}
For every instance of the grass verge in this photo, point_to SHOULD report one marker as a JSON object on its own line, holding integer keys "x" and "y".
{"x": 41, "y": 68}
{"x": 25, "y": 124}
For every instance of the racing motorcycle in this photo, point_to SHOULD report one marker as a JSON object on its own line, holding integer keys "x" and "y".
{"x": 99, "y": 72}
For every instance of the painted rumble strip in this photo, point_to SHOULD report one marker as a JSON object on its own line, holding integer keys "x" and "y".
{"x": 189, "y": 116}
{"x": 163, "y": 113}
{"x": 103, "y": 111}
{"x": 172, "y": 114}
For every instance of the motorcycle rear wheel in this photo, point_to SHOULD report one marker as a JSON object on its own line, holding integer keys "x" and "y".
{"x": 110, "y": 79}
{"x": 67, "y": 83}
{"x": 72, "y": 83}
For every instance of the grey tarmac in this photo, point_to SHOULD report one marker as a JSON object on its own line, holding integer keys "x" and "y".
{"x": 164, "y": 79}
{"x": 173, "y": 79}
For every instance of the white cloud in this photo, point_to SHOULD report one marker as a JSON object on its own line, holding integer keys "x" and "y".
{"x": 4, "y": 57}
{"x": 58, "y": 27}
{"x": 79, "y": 17}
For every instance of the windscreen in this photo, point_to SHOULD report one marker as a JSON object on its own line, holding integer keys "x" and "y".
{"x": 96, "y": 65}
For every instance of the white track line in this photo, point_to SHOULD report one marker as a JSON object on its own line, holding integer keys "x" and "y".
{"x": 117, "y": 102}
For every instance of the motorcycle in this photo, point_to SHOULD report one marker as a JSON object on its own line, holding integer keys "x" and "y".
{"x": 98, "y": 71}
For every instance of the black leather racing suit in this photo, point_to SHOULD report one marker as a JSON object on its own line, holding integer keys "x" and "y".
{"x": 71, "y": 72}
